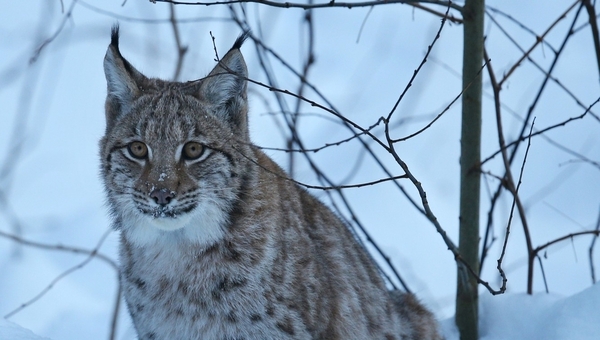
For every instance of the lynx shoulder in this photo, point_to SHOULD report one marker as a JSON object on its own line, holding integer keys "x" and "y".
{"x": 216, "y": 241}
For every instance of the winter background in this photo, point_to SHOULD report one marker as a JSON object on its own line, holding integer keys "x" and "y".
{"x": 52, "y": 117}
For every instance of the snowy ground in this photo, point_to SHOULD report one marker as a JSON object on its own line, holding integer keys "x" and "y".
{"x": 52, "y": 111}
{"x": 512, "y": 316}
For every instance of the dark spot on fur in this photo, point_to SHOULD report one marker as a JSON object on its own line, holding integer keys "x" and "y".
{"x": 210, "y": 250}
{"x": 270, "y": 311}
{"x": 227, "y": 284}
{"x": 139, "y": 307}
{"x": 286, "y": 326}
{"x": 390, "y": 337}
{"x": 231, "y": 253}
{"x": 163, "y": 283}
{"x": 372, "y": 324}
{"x": 151, "y": 336}
{"x": 198, "y": 300}
{"x": 255, "y": 317}
{"x": 183, "y": 288}
{"x": 216, "y": 294}
{"x": 231, "y": 317}
{"x": 141, "y": 284}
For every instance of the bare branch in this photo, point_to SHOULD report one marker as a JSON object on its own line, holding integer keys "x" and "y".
{"x": 438, "y": 116}
{"x": 450, "y": 17}
{"x": 326, "y": 145}
{"x": 46, "y": 42}
{"x": 91, "y": 255}
{"x": 591, "y": 250}
{"x": 563, "y": 238}
{"x": 594, "y": 27}
{"x": 543, "y": 85}
{"x": 181, "y": 50}
{"x": 416, "y": 72}
{"x": 508, "y": 180}
{"x": 539, "y": 39}
{"x": 329, "y": 4}
{"x": 551, "y": 127}
{"x": 60, "y": 247}
{"x": 121, "y": 17}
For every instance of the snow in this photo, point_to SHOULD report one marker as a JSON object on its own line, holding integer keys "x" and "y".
{"x": 509, "y": 316}
{"x": 12, "y": 331}
{"x": 539, "y": 316}
{"x": 51, "y": 192}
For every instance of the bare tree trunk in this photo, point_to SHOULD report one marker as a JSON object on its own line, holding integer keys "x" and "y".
{"x": 466, "y": 295}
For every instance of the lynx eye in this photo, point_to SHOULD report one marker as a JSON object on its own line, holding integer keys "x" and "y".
{"x": 192, "y": 150}
{"x": 137, "y": 150}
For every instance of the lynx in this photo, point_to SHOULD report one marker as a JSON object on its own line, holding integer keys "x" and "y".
{"x": 216, "y": 241}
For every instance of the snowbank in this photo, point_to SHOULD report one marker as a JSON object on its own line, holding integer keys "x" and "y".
{"x": 12, "y": 331}
{"x": 541, "y": 316}
{"x": 510, "y": 316}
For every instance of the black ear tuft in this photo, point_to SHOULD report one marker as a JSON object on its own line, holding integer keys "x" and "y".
{"x": 123, "y": 81}
{"x": 114, "y": 36}
{"x": 240, "y": 40}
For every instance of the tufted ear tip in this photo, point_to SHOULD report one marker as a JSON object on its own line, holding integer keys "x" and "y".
{"x": 123, "y": 80}
{"x": 226, "y": 80}
{"x": 225, "y": 88}
{"x": 114, "y": 36}
{"x": 240, "y": 40}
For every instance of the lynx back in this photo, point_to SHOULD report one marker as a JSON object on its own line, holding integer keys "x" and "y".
{"x": 216, "y": 241}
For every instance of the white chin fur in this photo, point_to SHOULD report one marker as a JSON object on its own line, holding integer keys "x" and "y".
{"x": 170, "y": 224}
{"x": 202, "y": 226}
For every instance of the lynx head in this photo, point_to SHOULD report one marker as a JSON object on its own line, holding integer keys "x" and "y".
{"x": 174, "y": 155}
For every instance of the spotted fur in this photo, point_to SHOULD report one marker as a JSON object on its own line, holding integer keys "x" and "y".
{"x": 218, "y": 243}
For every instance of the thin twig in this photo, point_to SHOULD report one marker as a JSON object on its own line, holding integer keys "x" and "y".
{"x": 181, "y": 50}
{"x": 591, "y": 250}
{"x": 508, "y": 180}
{"x": 46, "y": 42}
{"x": 543, "y": 85}
{"x": 121, "y": 17}
{"x": 91, "y": 255}
{"x": 308, "y": 63}
{"x": 546, "y": 73}
{"x": 450, "y": 17}
{"x": 594, "y": 27}
{"x": 544, "y": 130}
{"x": 543, "y": 274}
{"x": 117, "y": 306}
{"x": 217, "y": 59}
{"x": 439, "y": 115}
{"x": 538, "y": 40}
{"x": 416, "y": 72}
{"x": 326, "y": 145}
{"x": 328, "y": 4}
{"x": 565, "y": 237}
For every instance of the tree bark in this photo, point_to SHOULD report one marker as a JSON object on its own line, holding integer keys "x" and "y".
{"x": 466, "y": 295}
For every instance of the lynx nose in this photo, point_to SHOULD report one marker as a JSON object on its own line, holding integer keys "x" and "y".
{"x": 162, "y": 196}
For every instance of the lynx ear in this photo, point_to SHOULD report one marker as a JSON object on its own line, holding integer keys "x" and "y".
{"x": 123, "y": 80}
{"x": 224, "y": 88}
